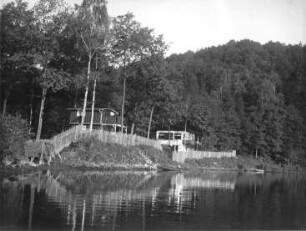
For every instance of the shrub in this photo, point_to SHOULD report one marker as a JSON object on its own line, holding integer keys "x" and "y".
{"x": 14, "y": 132}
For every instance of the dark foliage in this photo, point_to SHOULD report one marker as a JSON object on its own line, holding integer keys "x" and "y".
{"x": 14, "y": 133}
{"x": 241, "y": 95}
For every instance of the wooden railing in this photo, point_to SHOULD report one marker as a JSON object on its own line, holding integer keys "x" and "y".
{"x": 53, "y": 146}
{"x": 57, "y": 143}
{"x": 191, "y": 154}
{"x": 65, "y": 138}
{"x": 122, "y": 138}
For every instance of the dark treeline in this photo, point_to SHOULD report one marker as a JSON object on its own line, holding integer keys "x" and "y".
{"x": 241, "y": 95}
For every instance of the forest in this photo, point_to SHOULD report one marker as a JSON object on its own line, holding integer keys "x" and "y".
{"x": 242, "y": 95}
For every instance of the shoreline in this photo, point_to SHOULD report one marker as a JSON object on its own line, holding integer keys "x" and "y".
{"x": 93, "y": 155}
{"x": 62, "y": 167}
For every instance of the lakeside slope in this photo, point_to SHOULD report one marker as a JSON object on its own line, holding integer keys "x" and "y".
{"x": 92, "y": 153}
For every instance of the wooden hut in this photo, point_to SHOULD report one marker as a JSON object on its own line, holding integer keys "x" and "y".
{"x": 103, "y": 118}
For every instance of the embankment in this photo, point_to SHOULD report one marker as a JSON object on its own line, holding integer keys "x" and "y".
{"x": 92, "y": 153}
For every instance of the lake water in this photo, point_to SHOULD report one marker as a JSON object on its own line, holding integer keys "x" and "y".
{"x": 75, "y": 200}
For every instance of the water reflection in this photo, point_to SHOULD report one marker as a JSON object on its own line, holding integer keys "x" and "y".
{"x": 184, "y": 187}
{"x": 75, "y": 200}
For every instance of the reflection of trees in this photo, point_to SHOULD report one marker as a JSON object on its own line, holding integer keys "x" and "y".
{"x": 11, "y": 200}
{"x": 79, "y": 200}
{"x": 90, "y": 198}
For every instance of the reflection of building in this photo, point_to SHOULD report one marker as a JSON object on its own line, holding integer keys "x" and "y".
{"x": 178, "y": 140}
{"x": 105, "y": 118}
{"x": 182, "y": 188}
{"x": 192, "y": 182}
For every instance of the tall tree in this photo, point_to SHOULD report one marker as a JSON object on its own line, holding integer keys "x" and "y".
{"x": 17, "y": 23}
{"x": 51, "y": 17}
{"x": 132, "y": 43}
{"x": 93, "y": 27}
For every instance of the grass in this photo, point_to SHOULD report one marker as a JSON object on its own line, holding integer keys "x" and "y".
{"x": 90, "y": 152}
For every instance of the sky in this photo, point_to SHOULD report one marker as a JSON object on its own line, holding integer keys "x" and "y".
{"x": 196, "y": 24}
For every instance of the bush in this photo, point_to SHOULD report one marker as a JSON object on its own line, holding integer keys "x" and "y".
{"x": 14, "y": 132}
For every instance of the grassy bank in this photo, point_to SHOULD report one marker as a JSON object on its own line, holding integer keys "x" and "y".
{"x": 92, "y": 153}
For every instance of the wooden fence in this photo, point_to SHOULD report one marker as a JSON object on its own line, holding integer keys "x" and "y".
{"x": 122, "y": 138}
{"x": 57, "y": 143}
{"x": 48, "y": 148}
{"x": 191, "y": 154}
{"x": 65, "y": 138}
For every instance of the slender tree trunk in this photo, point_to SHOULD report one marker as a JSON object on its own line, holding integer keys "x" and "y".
{"x": 149, "y": 128}
{"x": 186, "y": 112}
{"x": 4, "y": 105}
{"x": 42, "y": 105}
{"x": 6, "y": 95}
{"x": 93, "y": 106}
{"x": 75, "y": 98}
{"x": 123, "y": 102}
{"x": 1, "y": 89}
{"x": 135, "y": 116}
{"x": 132, "y": 128}
{"x": 31, "y": 109}
{"x": 86, "y": 90}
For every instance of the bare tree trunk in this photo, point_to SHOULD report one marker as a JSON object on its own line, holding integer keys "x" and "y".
{"x": 0, "y": 89}
{"x": 123, "y": 102}
{"x": 149, "y": 128}
{"x": 186, "y": 112}
{"x": 93, "y": 106}
{"x": 31, "y": 109}
{"x": 75, "y": 98}
{"x": 86, "y": 90}
{"x": 6, "y": 95}
{"x": 42, "y": 105}
{"x": 132, "y": 128}
{"x": 4, "y": 105}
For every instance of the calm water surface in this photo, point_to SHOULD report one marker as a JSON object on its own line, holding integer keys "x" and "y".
{"x": 74, "y": 200}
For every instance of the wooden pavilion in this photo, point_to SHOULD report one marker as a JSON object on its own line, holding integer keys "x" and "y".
{"x": 103, "y": 118}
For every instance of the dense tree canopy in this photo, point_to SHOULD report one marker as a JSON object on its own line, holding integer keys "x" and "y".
{"x": 242, "y": 95}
